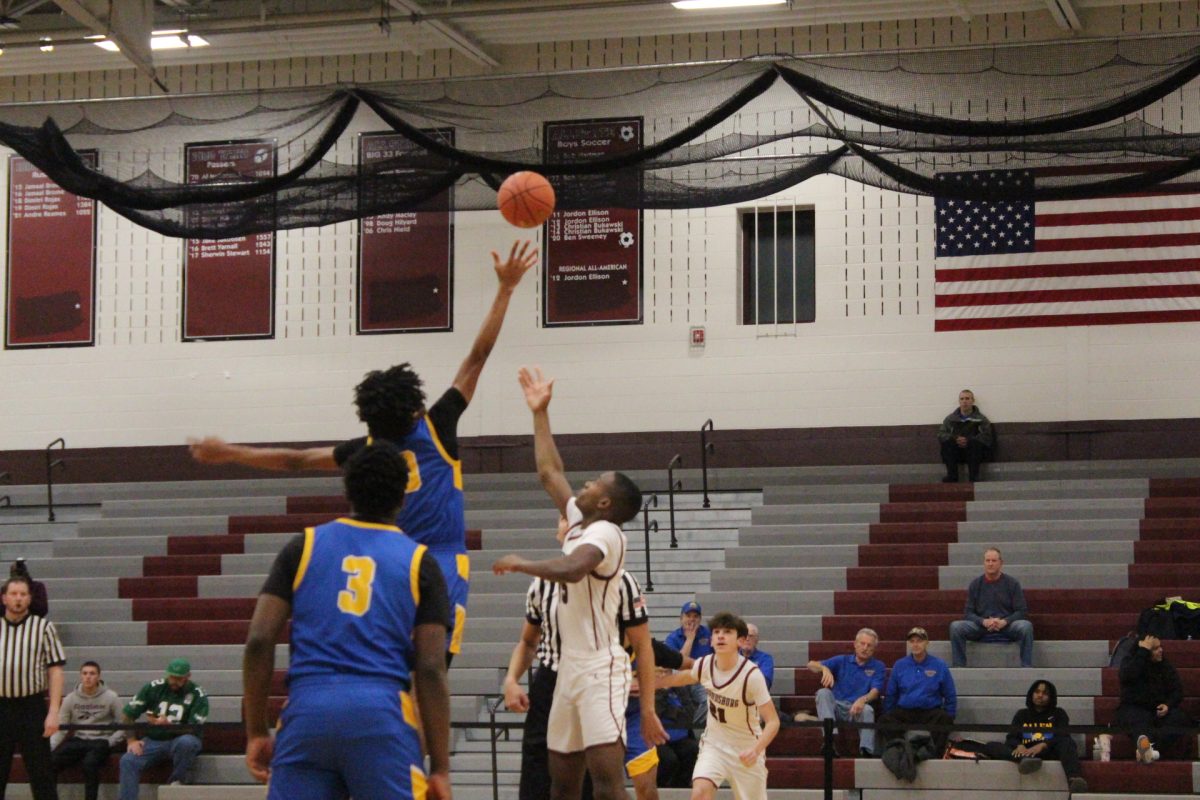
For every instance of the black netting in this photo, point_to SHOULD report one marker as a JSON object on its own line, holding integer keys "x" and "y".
{"x": 1088, "y": 119}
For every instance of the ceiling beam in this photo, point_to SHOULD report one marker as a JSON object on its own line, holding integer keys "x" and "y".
{"x": 1064, "y": 14}
{"x": 457, "y": 38}
{"x": 128, "y": 23}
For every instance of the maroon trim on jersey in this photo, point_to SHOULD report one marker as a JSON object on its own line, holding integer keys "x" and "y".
{"x": 618, "y": 719}
{"x": 712, "y": 672}
{"x": 746, "y": 700}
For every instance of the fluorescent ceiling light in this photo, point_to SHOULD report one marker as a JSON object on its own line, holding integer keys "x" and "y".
{"x": 161, "y": 43}
{"x": 694, "y": 5}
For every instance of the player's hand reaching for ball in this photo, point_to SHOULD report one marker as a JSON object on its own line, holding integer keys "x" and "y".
{"x": 519, "y": 262}
{"x": 258, "y": 757}
{"x": 537, "y": 388}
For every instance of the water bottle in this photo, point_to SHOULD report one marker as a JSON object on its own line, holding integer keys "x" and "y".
{"x": 1096, "y": 749}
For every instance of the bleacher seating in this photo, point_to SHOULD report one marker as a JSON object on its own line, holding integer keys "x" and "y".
{"x": 140, "y": 573}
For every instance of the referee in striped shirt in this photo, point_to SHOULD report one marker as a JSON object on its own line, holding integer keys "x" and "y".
{"x": 31, "y": 661}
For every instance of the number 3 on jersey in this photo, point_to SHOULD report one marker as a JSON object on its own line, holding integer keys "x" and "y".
{"x": 360, "y": 574}
{"x": 414, "y": 471}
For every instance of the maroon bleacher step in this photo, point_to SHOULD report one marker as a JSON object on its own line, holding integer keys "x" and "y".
{"x": 1169, "y": 529}
{"x": 1175, "y": 487}
{"x": 861, "y": 578}
{"x": 277, "y": 523}
{"x": 176, "y": 609}
{"x": 903, "y": 555}
{"x": 949, "y": 511}
{"x": 206, "y": 545}
{"x": 220, "y": 631}
{"x": 931, "y": 492}
{"x": 1130, "y": 777}
{"x": 168, "y": 566}
{"x": 1172, "y": 507}
{"x": 1045, "y": 626}
{"x": 914, "y": 532}
{"x": 1045, "y": 601}
{"x": 808, "y": 773}
{"x": 1167, "y": 552}
{"x": 1153, "y": 575}
{"x": 174, "y": 586}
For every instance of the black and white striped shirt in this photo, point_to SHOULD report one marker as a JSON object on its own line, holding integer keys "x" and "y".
{"x": 27, "y": 649}
{"x": 541, "y": 609}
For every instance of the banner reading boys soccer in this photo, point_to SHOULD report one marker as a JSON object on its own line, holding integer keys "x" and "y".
{"x": 405, "y": 282}
{"x": 51, "y": 287}
{"x": 229, "y": 284}
{"x": 593, "y": 256}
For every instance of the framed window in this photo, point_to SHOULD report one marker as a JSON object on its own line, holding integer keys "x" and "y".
{"x": 778, "y": 255}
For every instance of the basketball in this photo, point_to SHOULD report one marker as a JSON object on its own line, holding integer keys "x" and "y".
{"x": 526, "y": 199}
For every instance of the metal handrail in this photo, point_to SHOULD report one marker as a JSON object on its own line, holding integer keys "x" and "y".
{"x": 672, "y": 485}
{"x": 6, "y": 500}
{"x": 649, "y": 525}
{"x": 50, "y": 465}
{"x": 706, "y": 447}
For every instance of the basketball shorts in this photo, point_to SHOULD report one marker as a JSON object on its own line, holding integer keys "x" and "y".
{"x": 718, "y": 766}
{"x": 640, "y": 757}
{"x": 343, "y": 738}
{"x": 456, "y": 569}
{"x": 589, "y": 706}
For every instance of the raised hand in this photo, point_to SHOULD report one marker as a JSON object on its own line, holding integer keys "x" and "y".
{"x": 519, "y": 262}
{"x": 538, "y": 390}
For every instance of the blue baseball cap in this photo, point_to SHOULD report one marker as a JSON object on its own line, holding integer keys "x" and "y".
{"x": 689, "y": 607}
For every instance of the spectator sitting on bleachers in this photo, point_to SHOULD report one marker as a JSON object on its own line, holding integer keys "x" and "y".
{"x": 92, "y": 703}
{"x": 168, "y": 703}
{"x": 676, "y": 758}
{"x": 762, "y": 659}
{"x": 39, "y": 604}
{"x": 1041, "y": 733}
{"x": 693, "y": 640}
{"x": 920, "y": 691}
{"x": 995, "y": 610}
{"x": 850, "y": 684}
{"x": 1150, "y": 696}
{"x": 965, "y": 435}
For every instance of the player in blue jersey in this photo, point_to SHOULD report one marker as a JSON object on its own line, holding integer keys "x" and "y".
{"x": 369, "y": 617}
{"x": 392, "y": 405}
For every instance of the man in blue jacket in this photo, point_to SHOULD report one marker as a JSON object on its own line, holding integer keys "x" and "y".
{"x": 920, "y": 691}
{"x": 995, "y": 610}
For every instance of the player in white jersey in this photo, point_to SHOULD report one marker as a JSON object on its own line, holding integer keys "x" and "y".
{"x": 742, "y": 720}
{"x": 586, "y": 729}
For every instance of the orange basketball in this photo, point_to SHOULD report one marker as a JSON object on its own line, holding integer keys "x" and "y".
{"x": 526, "y": 199}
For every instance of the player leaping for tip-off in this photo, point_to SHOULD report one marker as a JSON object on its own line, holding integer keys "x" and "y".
{"x": 742, "y": 721}
{"x": 587, "y": 718}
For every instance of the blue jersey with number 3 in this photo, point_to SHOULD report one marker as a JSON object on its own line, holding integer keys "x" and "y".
{"x": 433, "y": 511}
{"x": 355, "y": 602}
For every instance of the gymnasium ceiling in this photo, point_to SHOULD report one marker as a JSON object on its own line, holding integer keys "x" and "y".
{"x": 480, "y": 30}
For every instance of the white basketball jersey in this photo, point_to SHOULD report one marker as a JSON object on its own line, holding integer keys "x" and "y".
{"x": 587, "y": 610}
{"x": 733, "y": 700}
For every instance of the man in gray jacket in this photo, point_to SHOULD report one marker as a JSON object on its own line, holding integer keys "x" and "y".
{"x": 965, "y": 437}
{"x": 92, "y": 703}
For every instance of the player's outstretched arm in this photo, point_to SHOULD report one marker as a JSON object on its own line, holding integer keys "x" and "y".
{"x": 538, "y": 391}
{"x": 515, "y": 698}
{"x": 258, "y": 663}
{"x": 571, "y": 568}
{"x": 520, "y": 260}
{"x": 433, "y": 703}
{"x": 643, "y": 649}
{"x": 214, "y": 450}
{"x": 670, "y": 681}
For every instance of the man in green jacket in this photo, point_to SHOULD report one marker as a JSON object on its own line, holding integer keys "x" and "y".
{"x": 168, "y": 703}
{"x": 965, "y": 436}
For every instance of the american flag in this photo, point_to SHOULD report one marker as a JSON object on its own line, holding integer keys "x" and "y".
{"x": 1101, "y": 261}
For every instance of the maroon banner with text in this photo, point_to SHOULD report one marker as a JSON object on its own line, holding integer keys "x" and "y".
{"x": 593, "y": 257}
{"x": 405, "y": 282}
{"x": 229, "y": 284}
{"x": 51, "y": 287}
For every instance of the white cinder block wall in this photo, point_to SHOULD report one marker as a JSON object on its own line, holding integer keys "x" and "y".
{"x": 871, "y": 357}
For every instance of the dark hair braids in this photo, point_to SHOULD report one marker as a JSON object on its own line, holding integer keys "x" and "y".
{"x": 388, "y": 400}
{"x": 375, "y": 478}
